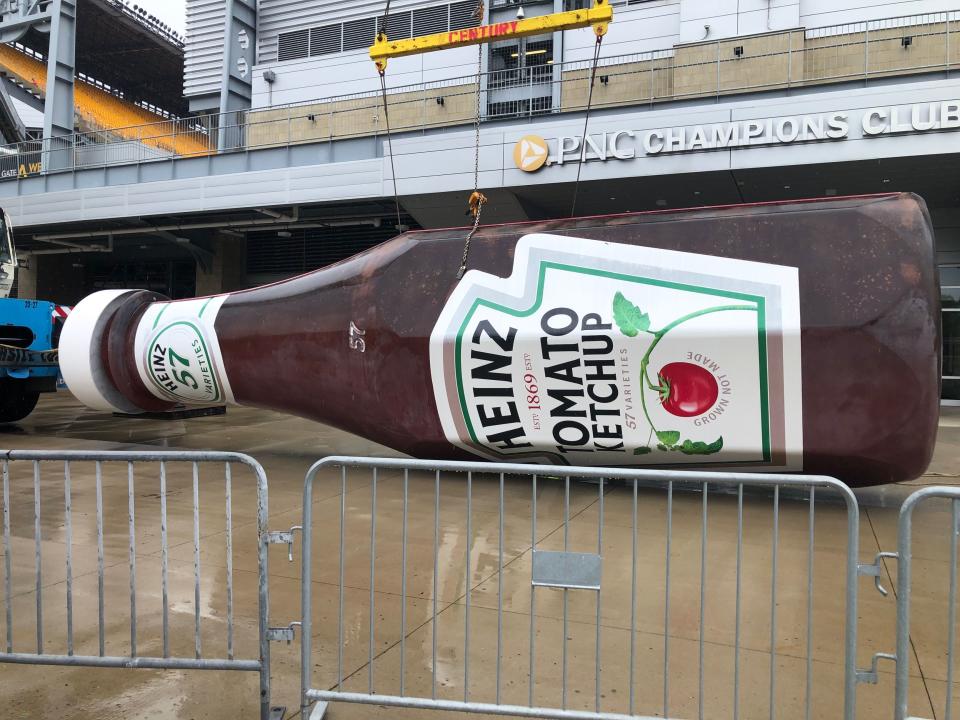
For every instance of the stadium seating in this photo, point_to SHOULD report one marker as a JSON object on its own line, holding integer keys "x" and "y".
{"x": 100, "y": 110}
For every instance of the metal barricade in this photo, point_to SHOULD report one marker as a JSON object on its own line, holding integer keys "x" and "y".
{"x": 637, "y": 626}
{"x": 78, "y": 483}
{"x": 907, "y": 646}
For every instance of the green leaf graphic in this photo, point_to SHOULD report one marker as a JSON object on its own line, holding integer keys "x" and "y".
{"x": 642, "y": 450}
{"x": 701, "y": 448}
{"x": 668, "y": 437}
{"x": 629, "y": 318}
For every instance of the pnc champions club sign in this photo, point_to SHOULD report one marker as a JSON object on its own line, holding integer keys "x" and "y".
{"x": 533, "y": 152}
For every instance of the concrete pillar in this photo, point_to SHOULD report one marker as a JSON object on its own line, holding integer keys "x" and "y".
{"x": 27, "y": 281}
{"x": 228, "y": 269}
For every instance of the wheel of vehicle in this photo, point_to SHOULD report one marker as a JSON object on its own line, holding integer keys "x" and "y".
{"x": 15, "y": 403}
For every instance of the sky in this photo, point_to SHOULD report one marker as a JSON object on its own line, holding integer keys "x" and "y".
{"x": 172, "y": 12}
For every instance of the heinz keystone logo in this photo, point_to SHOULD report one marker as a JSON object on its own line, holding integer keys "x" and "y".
{"x": 178, "y": 353}
{"x": 179, "y": 364}
{"x": 531, "y": 153}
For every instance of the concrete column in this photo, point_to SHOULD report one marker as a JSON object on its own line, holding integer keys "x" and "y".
{"x": 228, "y": 268}
{"x": 27, "y": 281}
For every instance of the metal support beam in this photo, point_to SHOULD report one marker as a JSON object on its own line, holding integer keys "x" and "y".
{"x": 58, "y": 104}
{"x": 239, "y": 57}
{"x": 599, "y": 17}
{"x": 16, "y": 18}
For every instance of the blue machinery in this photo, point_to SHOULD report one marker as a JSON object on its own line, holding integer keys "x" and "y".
{"x": 29, "y": 330}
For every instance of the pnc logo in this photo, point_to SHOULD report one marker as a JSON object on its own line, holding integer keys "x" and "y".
{"x": 531, "y": 153}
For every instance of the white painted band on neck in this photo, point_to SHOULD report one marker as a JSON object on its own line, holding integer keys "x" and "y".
{"x": 81, "y": 359}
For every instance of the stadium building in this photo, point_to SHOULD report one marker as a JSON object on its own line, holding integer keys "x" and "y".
{"x": 256, "y": 148}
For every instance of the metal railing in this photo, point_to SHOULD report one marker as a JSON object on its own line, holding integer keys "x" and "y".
{"x": 776, "y": 61}
{"x": 84, "y": 478}
{"x": 524, "y": 590}
{"x": 907, "y": 647}
{"x": 479, "y": 557}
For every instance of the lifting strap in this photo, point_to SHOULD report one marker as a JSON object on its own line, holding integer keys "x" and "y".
{"x": 586, "y": 118}
{"x": 393, "y": 169}
{"x": 382, "y": 70}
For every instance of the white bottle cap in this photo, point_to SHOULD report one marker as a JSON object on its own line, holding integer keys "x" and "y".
{"x": 81, "y": 360}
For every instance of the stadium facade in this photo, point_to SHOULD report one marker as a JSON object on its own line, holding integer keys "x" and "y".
{"x": 255, "y": 149}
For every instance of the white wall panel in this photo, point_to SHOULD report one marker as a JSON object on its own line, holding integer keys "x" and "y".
{"x": 636, "y": 29}
{"x": 731, "y": 18}
{"x": 815, "y": 13}
{"x": 203, "y": 48}
{"x": 354, "y": 72}
{"x": 315, "y": 183}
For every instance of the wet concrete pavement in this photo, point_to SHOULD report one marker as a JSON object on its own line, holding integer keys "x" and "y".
{"x": 402, "y": 607}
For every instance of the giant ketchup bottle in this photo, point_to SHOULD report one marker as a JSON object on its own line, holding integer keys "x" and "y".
{"x": 799, "y": 336}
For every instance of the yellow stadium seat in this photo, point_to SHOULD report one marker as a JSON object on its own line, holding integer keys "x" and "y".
{"x": 103, "y": 111}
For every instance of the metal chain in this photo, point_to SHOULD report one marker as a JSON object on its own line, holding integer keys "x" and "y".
{"x": 476, "y": 124}
{"x": 586, "y": 120}
{"x": 476, "y": 170}
{"x": 393, "y": 169}
{"x": 466, "y": 245}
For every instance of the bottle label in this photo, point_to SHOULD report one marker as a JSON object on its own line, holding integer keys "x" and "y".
{"x": 178, "y": 353}
{"x": 595, "y": 353}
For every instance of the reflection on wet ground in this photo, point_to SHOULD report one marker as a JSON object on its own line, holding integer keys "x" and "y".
{"x": 438, "y": 534}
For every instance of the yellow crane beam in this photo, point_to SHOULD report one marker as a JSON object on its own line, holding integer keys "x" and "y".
{"x": 598, "y": 16}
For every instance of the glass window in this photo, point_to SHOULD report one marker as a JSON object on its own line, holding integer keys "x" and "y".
{"x": 951, "y": 343}
{"x": 521, "y": 62}
{"x": 950, "y": 297}
{"x": 950, "y": 301}
{"x": 950, "y": 276}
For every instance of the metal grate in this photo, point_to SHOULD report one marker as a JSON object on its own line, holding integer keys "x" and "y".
{"x": 463, "y": 15}
{"x": 427, "y": 21}
{"x": 577, "y": 565}
{"x": 358, "y": 34}
{"x": 326, "y": 40}
{"x": 293, "y": 45}
{"x": 99, "y": 493}
{"x": 398, "y": 25}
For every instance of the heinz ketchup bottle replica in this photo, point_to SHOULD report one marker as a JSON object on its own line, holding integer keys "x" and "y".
{"x": 794, "y": 336}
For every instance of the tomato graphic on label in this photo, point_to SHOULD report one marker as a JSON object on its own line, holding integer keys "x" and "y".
{"x": 687, "y": 390}
{"x": 684, "y": 389}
